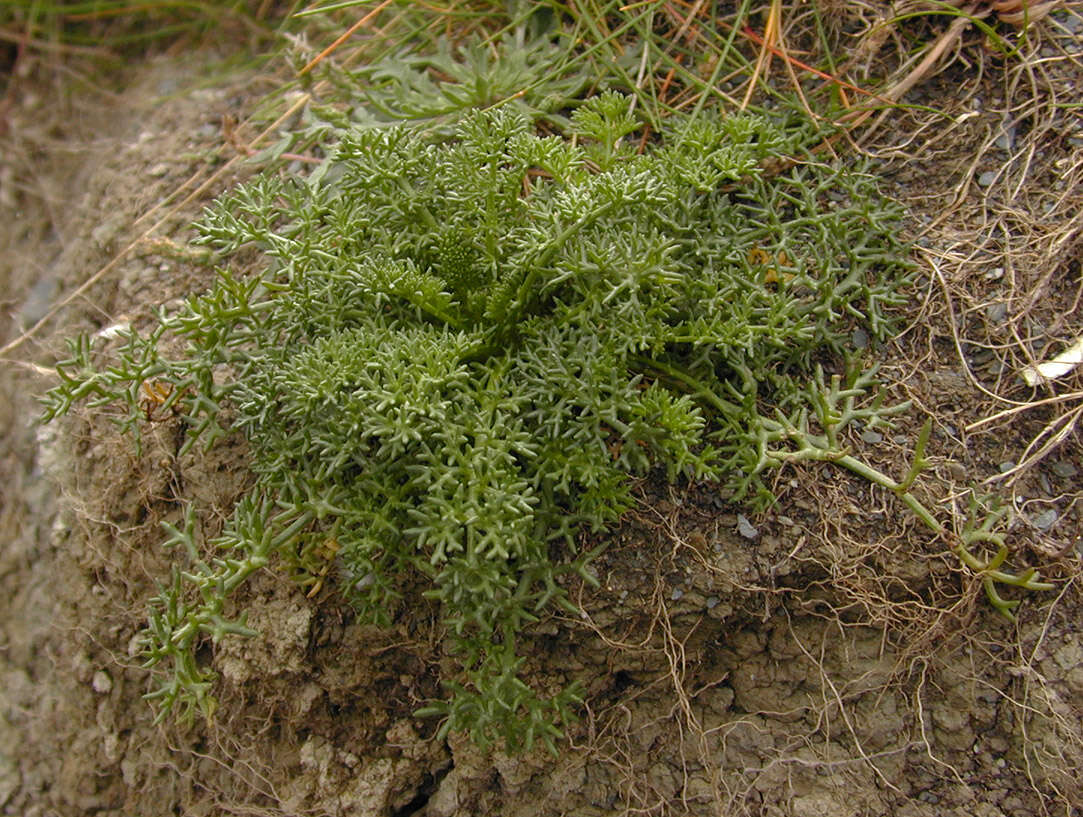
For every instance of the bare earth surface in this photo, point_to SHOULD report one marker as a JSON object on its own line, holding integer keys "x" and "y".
{"x": 829, "y": 657}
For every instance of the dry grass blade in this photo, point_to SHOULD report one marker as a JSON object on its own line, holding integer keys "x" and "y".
{"x": 932, "y": 56}
{"x": 1055, "y": 432}
{"x": 365, "y": 20}
{"x": 771, "y": 40}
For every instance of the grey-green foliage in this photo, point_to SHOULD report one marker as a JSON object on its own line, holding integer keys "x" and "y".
{"x": 457, "y": 351}
{"x": 530, "y": 68}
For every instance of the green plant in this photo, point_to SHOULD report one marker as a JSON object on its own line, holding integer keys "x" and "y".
{"x": 834, "y": 406}
{"x": 472, "y": 74}
{"x": 457, "y": 350}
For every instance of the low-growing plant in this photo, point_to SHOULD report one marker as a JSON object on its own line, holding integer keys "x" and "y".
{"x": 472, "y": 74}
{"x": 458, "y": 350}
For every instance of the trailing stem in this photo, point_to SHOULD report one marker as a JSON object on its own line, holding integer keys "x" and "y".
{"x": 789, "y": 438}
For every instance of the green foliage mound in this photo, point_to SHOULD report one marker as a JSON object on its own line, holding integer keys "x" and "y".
{"x": 458, "y": 350}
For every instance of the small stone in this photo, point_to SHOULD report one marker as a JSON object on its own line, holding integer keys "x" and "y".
{"x": 712, "y": 602}
{"x": 1006, "y": 138}
{"x": 158, "y": 170}
{"x": 872, "y": 437}
{"x": 958, "y": 471}
{"x": 676, "y": 594}
{"x": 987, "y": 178}
{"x": 996, "y": 312}
{"x": 995, "y": 274}
{"x": 101, "y": 682}
{"x": 1072, "y": 22}
{"x": 1047, "y": 486}
{"x": 1064, "y": 469}
{"x": 1045, "y": 520}
{"x": 860, "y": 339}
{"x": 745, "y": 528}
{"x": 1006, "y": 466}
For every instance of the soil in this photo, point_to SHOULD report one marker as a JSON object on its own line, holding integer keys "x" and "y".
{"x": 827, "y": 657}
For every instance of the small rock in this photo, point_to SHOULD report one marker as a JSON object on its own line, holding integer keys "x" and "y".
{"x": 1047, "y": 486}
{"x": 872, "y": 437}
{"x": 1064, "y": 469}
{"x": 101, "y": 682}
{"x": 1006, "y": 466}
{"x": 158, "y": 170}
{"x": 995, "y": 274}
{"x": 1045, "y": 520}
{"x": 1006, "y": 138}
{"x": 860, "y": 339}
{"x": 676, "y": 594}
{"x": 1072, "y": 22}
{"x": 745, "y": 528}
{"x": 987, "y": 178}
{"x": 958, "y": 471}
{"x": 996, "y": 312}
